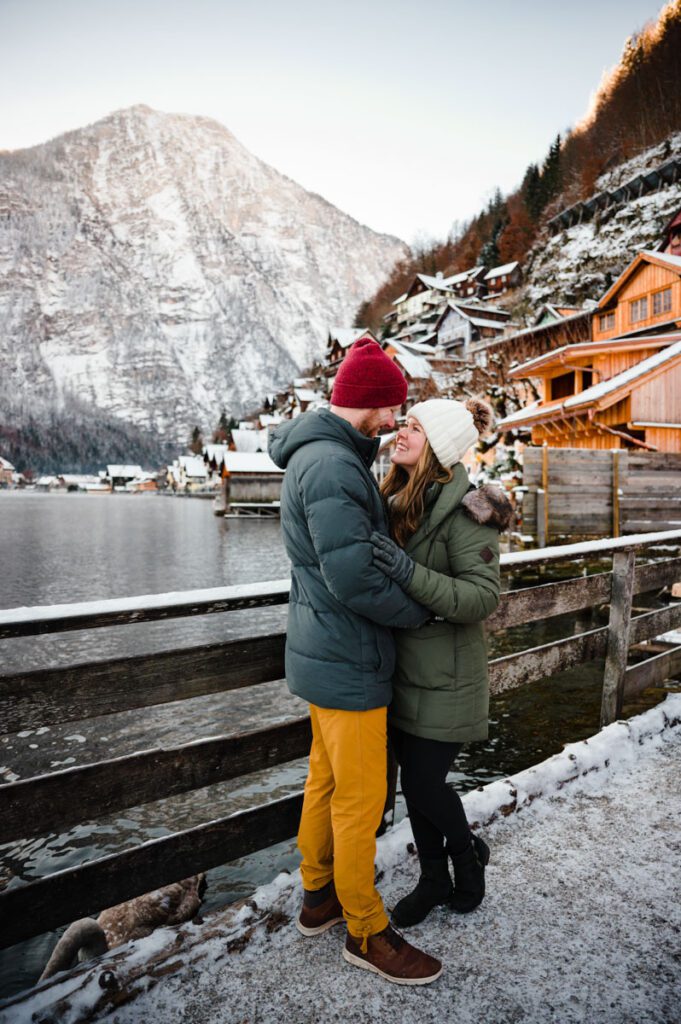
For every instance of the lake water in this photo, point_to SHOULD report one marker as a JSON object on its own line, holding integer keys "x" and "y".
{"x": 65, "y": 548}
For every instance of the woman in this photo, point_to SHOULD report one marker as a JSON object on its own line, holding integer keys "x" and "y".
{"x": 445, "y": 554}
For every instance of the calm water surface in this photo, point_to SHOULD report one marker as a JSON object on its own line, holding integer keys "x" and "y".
{"x": 64, "y": 548}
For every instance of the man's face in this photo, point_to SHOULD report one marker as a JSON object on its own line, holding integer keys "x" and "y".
{"x": 375, "y": 420}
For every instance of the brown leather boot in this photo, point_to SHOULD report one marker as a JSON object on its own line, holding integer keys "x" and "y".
{"x": 391, "y": 956}
{"x": 321, "y": 910}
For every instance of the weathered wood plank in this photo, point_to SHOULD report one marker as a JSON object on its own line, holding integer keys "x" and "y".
{"x": 660, "y": 620}
{"x": 657, "y": 574}
{"x": 48, "y": 696}
{"x": 531, "y": 604}
{"x": 618, "y": 635}
{"x": 36, "y": 621}
{"x": 84, "y": 891}
{"x": 516, "y": 670}
{"x": 652, "y": 672}
{"x": 45, "y": 803}
{"x": 639, "y": 525}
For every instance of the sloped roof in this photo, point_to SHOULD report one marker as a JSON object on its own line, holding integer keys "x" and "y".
{"x": 600, "y": 395}
{"x": 122, "y": 470}
{"x": 658, "y": 259}
{"x": 4, "y": 464}
{"x": 250, "y": 462}
{"x": 506, "y": 268}
{"x": 347, "y": 336}
{"x": 559, "y": 356}
{"x": 414, "y": 366}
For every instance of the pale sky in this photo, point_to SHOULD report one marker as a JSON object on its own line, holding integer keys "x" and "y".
{"x": 405, "y": 115}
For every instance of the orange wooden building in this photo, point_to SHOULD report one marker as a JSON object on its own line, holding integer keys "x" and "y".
{"x": 622, "y": 393}
{"x": 645, "y": 299}
{"x": 622, "y": 389}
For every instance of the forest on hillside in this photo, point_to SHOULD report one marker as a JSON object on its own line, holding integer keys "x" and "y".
{"x": 637, "y": 105}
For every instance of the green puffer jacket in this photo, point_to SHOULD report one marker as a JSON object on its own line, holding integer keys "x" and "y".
{"x": 440, "y": 689}
{"x": 340, "y": 651}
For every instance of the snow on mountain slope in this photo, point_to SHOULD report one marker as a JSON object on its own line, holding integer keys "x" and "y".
{"x": 581, "y": 262}
{"x": 154, "y": 267}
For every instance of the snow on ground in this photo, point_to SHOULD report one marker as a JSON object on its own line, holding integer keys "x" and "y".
{"x": 581, "y": 923}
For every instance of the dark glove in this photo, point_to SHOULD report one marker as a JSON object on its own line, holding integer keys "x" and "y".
{"x": 392, "y": 560}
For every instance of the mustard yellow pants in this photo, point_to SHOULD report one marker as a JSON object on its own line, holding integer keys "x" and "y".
{"x": 344, "y": 799}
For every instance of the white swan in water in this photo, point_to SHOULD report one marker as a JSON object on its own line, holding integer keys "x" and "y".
{"x": 88, "y": 938}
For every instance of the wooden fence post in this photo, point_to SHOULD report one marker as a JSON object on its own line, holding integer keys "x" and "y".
{"x": 541, "y": 518}
{"x": 545, "y": 488}
{"x": 618, "y": 635}
{"x": 615, "y": 492}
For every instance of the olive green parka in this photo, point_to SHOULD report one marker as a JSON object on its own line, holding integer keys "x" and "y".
{"x": 440, "y": 689}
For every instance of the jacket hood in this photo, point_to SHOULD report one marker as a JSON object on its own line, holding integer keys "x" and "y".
{"x": 487, "y": 505}
{"x": 319, "y": 425}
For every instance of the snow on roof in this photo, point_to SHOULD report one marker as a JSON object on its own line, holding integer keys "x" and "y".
{"x": 400, "y": 298}
{"x": 306, "y": 395}
{"x": 507, "y": 268}
{"x": 587, "y": 348}
{"x": 250, "y": 462}
{"x": 346, "y": 336}
{"x": 250, "y": 440}
{"x": 414, "y": 366}
{"x": 269, "y": 419}
{"x": 122, "y": 470}
{"x": 597, "y": 391}
{"x": 664, "y": 257}
{"x": 499, "y": 325}
{"x": 4, "y": 464}
{"x": 215, "y": 451}
{"x": 605, "y": 387}
{"x": 193, "y": 465}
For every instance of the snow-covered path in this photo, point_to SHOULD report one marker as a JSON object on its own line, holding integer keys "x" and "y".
{"x": 582, "y": 921}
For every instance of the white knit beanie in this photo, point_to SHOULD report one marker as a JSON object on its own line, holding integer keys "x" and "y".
{"x": 452, "y": 427}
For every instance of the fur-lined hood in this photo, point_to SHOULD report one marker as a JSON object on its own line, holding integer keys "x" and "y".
{"x": 489, "y": 506}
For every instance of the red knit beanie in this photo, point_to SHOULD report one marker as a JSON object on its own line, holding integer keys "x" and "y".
{"x": 368, "y": 379}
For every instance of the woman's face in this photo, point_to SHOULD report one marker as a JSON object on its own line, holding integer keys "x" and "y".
{"x": 409, "y": 444}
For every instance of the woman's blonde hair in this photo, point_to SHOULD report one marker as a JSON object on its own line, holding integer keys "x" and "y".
{"x": 408, "y": 493}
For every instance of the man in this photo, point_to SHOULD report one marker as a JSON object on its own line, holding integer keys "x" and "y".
{"x": 340, "y": 654}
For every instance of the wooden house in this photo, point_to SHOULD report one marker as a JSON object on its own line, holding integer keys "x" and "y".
{"x": 339, "y": 341}
{"x": 645, "y": 298}
{"x": 463, "y": 329}
{"x": 416, "y": 368}
{"x": 6, "y": 472}
{"x": 500, "y": 279}
{"x": 617, "y": 393}
{"x": 421, "y": 296}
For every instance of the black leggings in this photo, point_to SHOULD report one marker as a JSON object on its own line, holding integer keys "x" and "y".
{"x": 435, "y": 809}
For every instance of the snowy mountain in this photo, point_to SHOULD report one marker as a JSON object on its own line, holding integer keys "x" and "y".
{"x": 152, "y": 266}
{"x": 580, "y": 262}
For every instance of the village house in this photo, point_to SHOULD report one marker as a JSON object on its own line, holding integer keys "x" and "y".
{"x": 645, "y": 298}
{"x": 501, "y": 279}
{"x": 6, "y": 472}
{"x": 187, "y": 473}
{"x": 424, "y": 293}
{"x": 339, "y": 341}
{"x": 621, "y": 393}
{"x": 117, "y": 476}
{"x": 464, "y": 329}
{"x": 415, "y": 367}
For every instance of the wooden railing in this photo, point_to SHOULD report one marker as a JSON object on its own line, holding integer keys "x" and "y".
{"x": 62, "y": 799}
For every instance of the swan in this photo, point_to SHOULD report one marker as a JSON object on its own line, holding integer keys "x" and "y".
{"x": 134, "y": 919}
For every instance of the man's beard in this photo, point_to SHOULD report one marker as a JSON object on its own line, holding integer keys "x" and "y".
{"x": 369, "y": 424}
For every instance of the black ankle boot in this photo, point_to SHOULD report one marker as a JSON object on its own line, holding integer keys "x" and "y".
{"x": 469, "y": 875}
{"x": 434, "y": 887}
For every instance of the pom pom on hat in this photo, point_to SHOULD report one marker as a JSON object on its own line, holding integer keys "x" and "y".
{"x": 452, "y": 427}
{"x": 368, "y": 379}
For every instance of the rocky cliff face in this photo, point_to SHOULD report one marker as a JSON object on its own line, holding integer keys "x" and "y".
{"x": 152, "y": 266}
